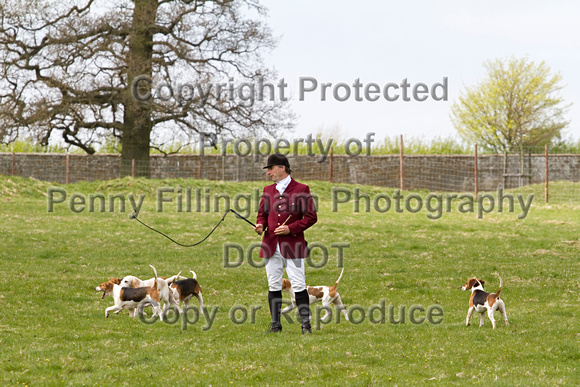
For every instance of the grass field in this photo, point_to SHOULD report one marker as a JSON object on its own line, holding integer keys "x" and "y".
{"x": 53, "y": 330}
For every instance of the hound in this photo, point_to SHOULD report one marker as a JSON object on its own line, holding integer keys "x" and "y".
{"x": 165, "y": 294}
{"x": 325, "y": 294}
{"x": 185, "y": 289}
{"x": 129, "y": 298}
{"x": 481, "y": 301}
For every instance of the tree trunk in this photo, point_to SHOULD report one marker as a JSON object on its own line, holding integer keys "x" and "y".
{"x": 137, "y": 123}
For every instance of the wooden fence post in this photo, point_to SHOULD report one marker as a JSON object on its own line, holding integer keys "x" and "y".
{"x": 546, "y": 188}
{"x": 133, "y": 168}
{"x": 330, "y": 163}
{"x": 475, "y": 170}
{"x": 67, "y": 168}
{"x": 200, "y": 165}
{"x": 401, "y": 170}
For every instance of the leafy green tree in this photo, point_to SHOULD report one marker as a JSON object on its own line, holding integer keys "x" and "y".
{"x": 516, "y": 106}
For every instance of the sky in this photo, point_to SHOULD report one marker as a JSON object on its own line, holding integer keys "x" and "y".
{"x": 382, "y": 42}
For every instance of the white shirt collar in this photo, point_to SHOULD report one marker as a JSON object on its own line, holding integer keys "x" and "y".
{"x": 283, "y": 184}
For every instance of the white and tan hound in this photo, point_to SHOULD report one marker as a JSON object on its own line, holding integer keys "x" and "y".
{"x": 481, "y": 301}
{"x": 129, "y": 298}
{"x": 165, "y": 294}
{"x": 328, "y": 295}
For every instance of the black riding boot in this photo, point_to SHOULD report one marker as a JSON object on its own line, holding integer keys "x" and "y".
{"x": 275, "y": 303}
{"x": 303, "y": 305}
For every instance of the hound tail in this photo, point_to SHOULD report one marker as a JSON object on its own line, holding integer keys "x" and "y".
{"x": 172, "y": 279}
{"x": 339, "y": 277}
{"x": 194, "y": 275}
{"x": 155, "y": 284}
{"x": 500, "y": 285}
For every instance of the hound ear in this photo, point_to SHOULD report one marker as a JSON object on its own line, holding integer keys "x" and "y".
{"x": 482, "y": 282}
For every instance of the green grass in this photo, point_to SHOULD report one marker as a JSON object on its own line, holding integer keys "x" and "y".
{"x": 53, "y": 330}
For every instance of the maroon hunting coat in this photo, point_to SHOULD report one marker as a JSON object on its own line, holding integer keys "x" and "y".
{"x": 295, "y": 207}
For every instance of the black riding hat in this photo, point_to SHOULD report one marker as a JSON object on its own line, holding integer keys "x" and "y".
{"x": 278, "y": 159}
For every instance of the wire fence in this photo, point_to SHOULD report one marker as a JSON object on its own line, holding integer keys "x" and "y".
{"x": 554, "y": 177}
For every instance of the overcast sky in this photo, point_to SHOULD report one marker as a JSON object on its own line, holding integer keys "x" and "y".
{"x": 378, "y": 41}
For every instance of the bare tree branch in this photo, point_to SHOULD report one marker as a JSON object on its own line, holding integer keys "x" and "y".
{"x": 68, "y": 66}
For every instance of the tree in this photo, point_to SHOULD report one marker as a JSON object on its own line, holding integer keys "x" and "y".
{"x": 515, "y": 106}
{"x": 81, "y": 68}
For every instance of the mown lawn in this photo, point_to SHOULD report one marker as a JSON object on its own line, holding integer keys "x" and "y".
{"x": 53, "y": 330}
